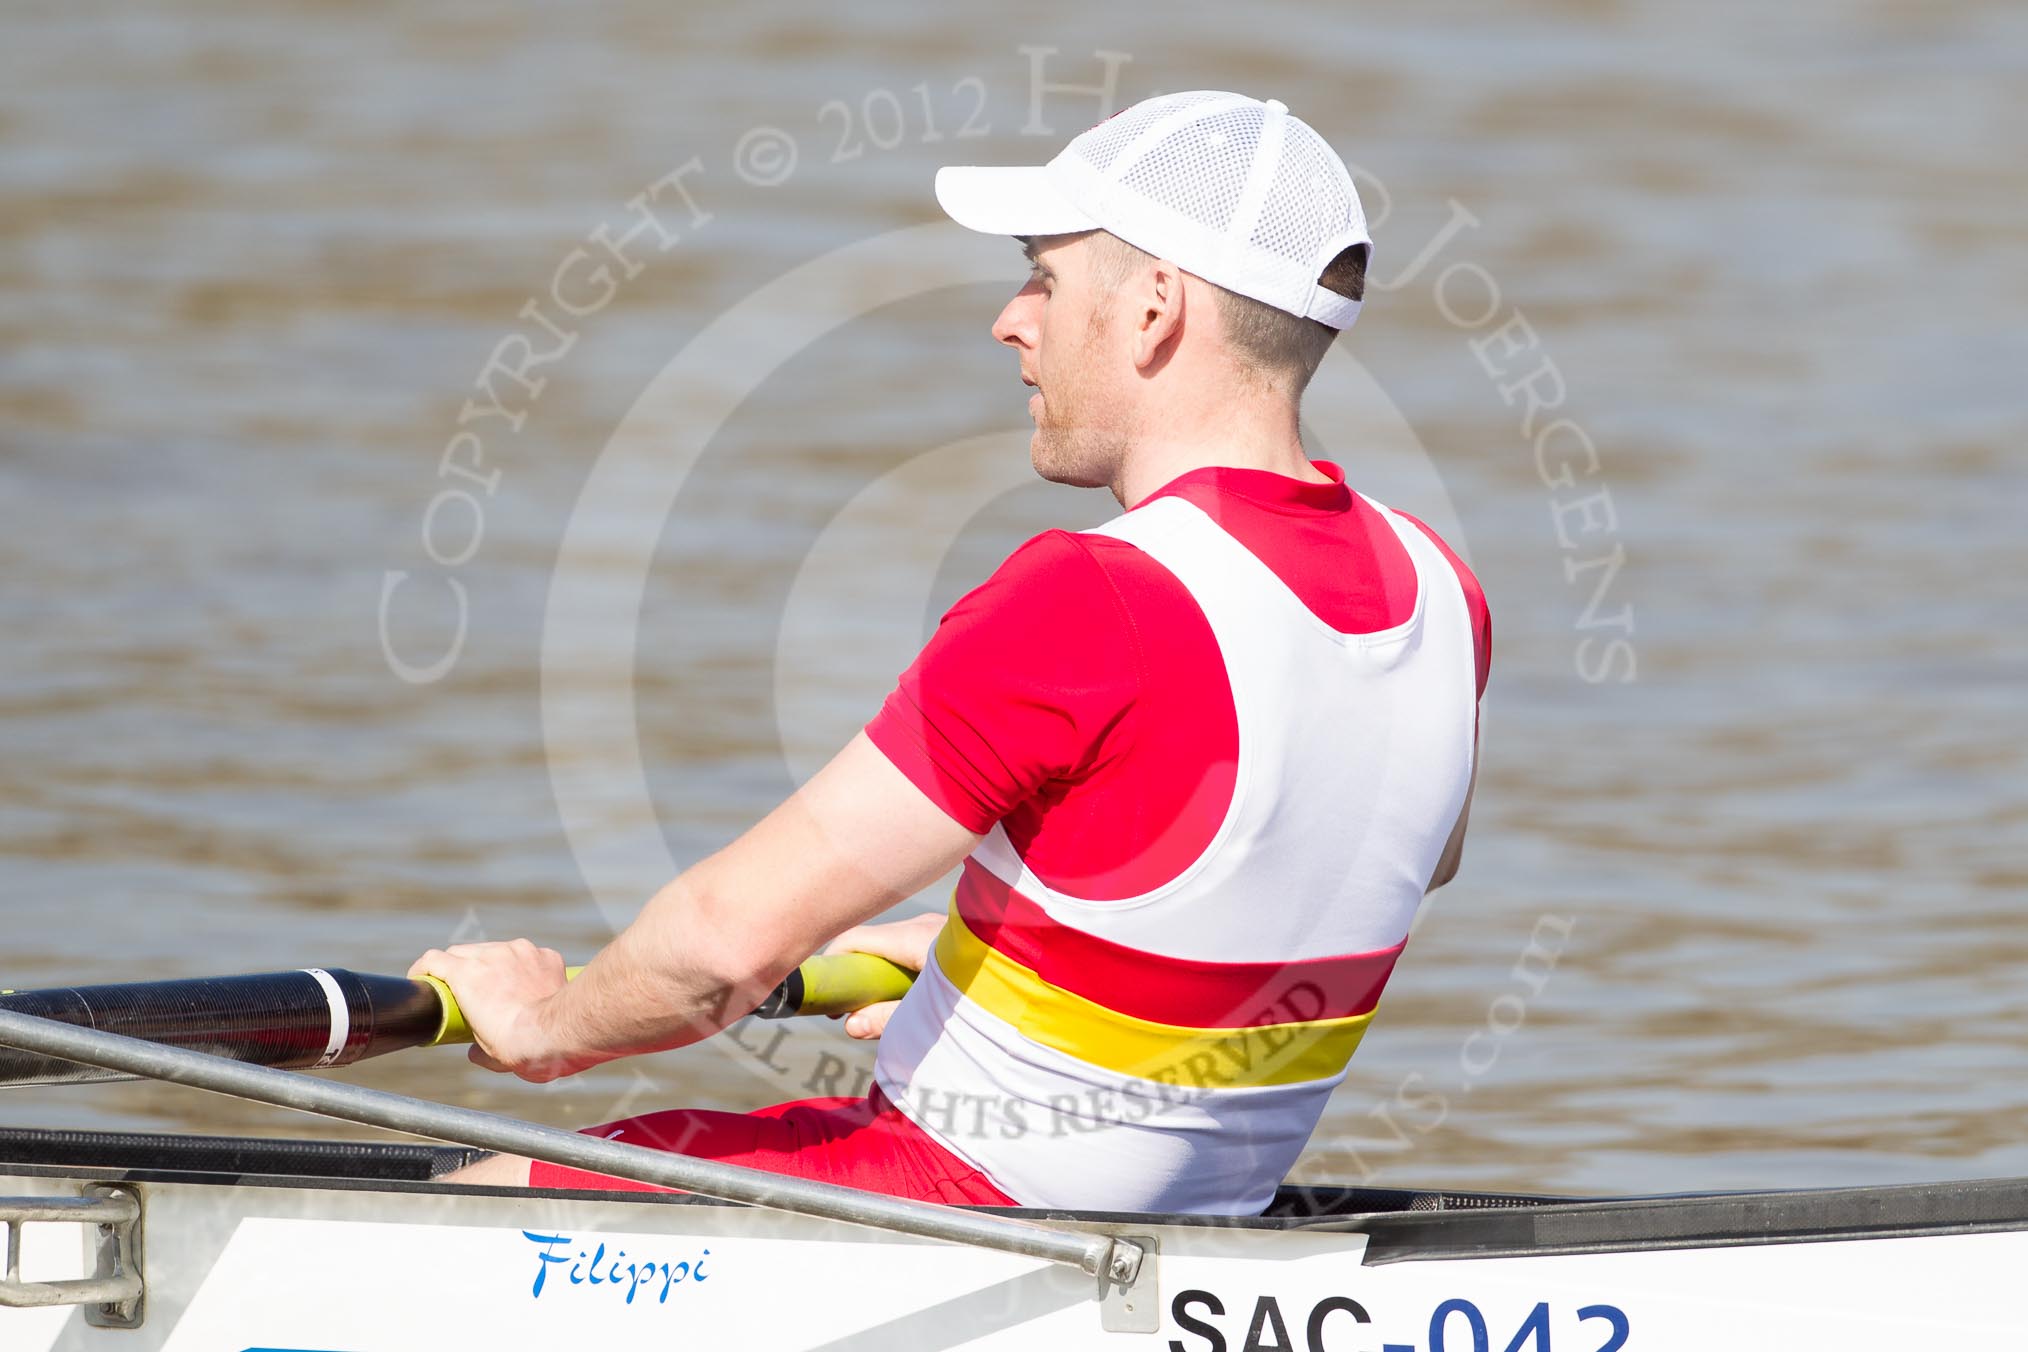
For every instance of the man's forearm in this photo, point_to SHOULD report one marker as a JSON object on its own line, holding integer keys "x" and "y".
{"x": 671, "y": 978}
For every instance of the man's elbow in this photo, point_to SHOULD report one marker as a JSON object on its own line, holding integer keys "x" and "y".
{"x": 727, "y": 962}
{"x": 1454, "y": 847}
{"x": 738, "y": 957}
{"x": 1447, "y": 863}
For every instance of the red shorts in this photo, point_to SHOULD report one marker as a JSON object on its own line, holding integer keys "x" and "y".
{"x": 857, "y": 1142}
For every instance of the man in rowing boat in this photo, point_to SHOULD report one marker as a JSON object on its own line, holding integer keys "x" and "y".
{"x": 1199, "y": 765}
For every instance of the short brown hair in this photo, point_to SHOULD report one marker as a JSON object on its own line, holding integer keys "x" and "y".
{"x": 1283, "y": 349}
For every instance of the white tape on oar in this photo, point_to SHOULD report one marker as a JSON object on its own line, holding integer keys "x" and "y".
{"x": 341, "y": 1017}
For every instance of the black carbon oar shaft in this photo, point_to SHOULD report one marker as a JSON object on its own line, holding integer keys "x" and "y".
{"x": 310, "y": 1018}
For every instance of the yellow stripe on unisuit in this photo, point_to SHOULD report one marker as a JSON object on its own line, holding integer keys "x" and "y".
{"x": 1204, "y": 1058}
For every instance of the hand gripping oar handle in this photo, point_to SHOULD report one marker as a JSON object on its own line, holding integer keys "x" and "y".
{"x": 835, "y": 983}
{"x": 451, "y": 1026}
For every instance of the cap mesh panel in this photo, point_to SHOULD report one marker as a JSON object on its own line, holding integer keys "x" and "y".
{"x": 1310, "y": 204}
{"x": 1103, "y": 143}
{"x": 1200, "y": 168}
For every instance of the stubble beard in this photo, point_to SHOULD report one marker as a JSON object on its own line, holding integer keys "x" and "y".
{"x": 1080, "y": 439}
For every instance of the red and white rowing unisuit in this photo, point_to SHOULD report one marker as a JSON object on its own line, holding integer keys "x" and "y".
{"x": 1216, "y": 747}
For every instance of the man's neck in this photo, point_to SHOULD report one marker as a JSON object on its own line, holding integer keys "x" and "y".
{"x": 1272, "y": 444}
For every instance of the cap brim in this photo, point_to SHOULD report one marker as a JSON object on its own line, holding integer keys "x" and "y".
{"x": 1008, "y": 201}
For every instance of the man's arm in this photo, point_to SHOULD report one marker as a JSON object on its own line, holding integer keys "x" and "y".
{"x": 1454, "y": 848}
{"x": 856, "y": 839}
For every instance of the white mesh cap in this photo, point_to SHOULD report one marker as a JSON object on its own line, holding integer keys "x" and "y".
{"x": 1230, "y": 188}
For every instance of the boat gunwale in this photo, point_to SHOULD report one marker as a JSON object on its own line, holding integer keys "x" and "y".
{"x": 1419, "y": 1225}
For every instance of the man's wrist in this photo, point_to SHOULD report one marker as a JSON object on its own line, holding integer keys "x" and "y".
{"x": 552, "y": 1041}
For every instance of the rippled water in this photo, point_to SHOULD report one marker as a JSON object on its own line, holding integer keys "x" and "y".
{"x": 253, "y": 258}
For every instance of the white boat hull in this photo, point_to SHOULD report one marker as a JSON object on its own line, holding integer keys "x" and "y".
{"x": 362, "y": 1266}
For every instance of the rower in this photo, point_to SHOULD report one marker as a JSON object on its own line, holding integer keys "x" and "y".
{"x": 1199, "y": 765}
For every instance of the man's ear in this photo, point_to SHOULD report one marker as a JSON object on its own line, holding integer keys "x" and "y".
{"x": 1157, "y": 312}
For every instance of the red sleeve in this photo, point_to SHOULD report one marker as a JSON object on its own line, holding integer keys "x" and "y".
{"x": 1027, "y": 680}
{"x": 1475, "y": 603}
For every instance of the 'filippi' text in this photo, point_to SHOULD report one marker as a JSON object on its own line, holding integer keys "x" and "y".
{"x": 591, "y": 1267}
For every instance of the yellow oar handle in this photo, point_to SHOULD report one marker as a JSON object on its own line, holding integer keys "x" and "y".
{"x": 454, "y": 1029}
{"x": 837, "y": 983}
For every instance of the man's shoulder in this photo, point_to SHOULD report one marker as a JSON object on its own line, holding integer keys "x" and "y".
{"x": 1475, "y": 595}
{"x": 1068, "y": 556}
{"x": 1083, "y": 572}
{"x": 1056, "y": 599}
{"x": 1069, "y": 603}
{"x": 1052, "y": 558}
